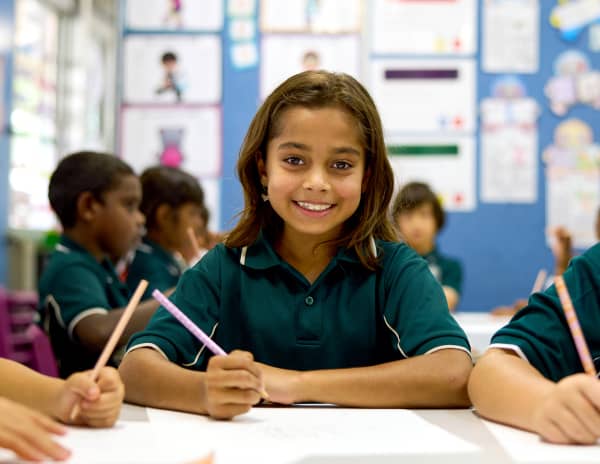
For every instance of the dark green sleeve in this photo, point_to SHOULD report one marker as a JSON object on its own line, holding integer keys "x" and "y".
{"x": 452, "y": 274}
{"x": 540, "y": 331}
{"x": 152, "y": 270}
{"x": 198, "y": 296}
{"x": 415, "y": 308}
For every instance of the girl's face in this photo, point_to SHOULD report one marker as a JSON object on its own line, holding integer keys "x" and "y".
{"x": 314, "y": 172}
{"x": 180, "y": 219}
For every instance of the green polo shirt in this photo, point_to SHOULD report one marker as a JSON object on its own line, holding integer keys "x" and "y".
{"x": 447, "y": 271}
{"x": 250, "y": 299}
{"x": 73, "y": 286}
{"x": 539, "y": 332}
{"x": 155, "y": 264}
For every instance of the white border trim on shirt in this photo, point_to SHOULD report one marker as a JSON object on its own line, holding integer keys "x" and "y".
{"x": 450, "y": 347}
{"x": 202, "y": 348}
{"x": 507, "y": 346}
{"x": 146, "y": 345}
{"x": 82, "y": 315}
{"x": 397, "y": 337}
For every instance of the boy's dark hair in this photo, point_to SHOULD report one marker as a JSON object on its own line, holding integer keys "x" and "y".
{"x": 165, "y": 184}
{"x": 168, "y": 56}
{"x": 415, "y": 194}
{"x": 80, "y": 172}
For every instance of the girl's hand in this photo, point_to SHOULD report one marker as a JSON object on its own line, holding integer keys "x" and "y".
{"x": 233, "y": 384}
{"x": 29, "y": 433}
{"x": 570, "y": 413}
{"x": 281, "y": 384}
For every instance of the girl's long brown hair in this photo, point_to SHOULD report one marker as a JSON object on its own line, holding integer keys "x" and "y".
{"x": 318, "y": 89}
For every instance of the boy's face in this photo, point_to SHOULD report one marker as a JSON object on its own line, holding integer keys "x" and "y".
{"x": 418, "y": 227}
{"x": 118, "y": 222}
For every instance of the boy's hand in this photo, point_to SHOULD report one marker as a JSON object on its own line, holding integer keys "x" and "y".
{"x": 99, "y": 402}
{"x": 570, "y": 413}
{"x": 233, "y": 384}
{"x": 29, "y": 433}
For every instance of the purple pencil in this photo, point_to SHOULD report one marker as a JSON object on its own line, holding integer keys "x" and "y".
{"x": 187, "y": 323}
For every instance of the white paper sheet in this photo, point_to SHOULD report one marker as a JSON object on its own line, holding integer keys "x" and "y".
{"x": 160, "y": 14}
{"x": 293, "y": 433}
{"x": 511, "y": 36}
{"x": 322, "y": 16}
{"x": 424, "y": 27}
{"x": 197, "y": 73}
{"x": 285, "y": 55}
{"x": 509, "y": 150}
{"x": 425, "y": 96}
{"x": 528, "y": 447}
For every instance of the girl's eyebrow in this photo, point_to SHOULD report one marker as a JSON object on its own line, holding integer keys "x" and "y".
{"x": 304, "y": 147}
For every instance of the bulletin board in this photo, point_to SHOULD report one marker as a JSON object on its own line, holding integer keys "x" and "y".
{"x": 495, "y": 92}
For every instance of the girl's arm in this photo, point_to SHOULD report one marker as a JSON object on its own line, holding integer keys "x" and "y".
{"x": 506, "y": 388}
{"x": 438, "y": 379}
{"x": 229, "y": 387}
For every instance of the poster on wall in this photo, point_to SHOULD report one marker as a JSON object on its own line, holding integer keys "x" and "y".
{"x": 425, "y": 95}
{"x": 318, "y": 16}
{"x": 574, "y": 82}
{"x": 511, "y": 36}
{"x": 509, "y": 144}
{"x": 182, "y": 15}
{"x": 573, "y": 181}
{"x": 424, "y": 27}
{"x": 285, "y": 55}
{"x": 447, "y": 164}
{"x": 573, "y": 16}
{"x": 172, "y": 69}
{"x": 185, "y": 137}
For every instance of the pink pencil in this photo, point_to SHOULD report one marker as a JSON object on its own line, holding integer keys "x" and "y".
{"x": 574, "y": 327}
{"x": 115, "y": 336}
{"x": 193, "y": 328}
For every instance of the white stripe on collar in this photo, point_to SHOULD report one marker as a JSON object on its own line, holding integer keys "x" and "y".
{"x": 63, "y": 249}
{"x": 373, "y": 246}
{"x": 243, "y": 256}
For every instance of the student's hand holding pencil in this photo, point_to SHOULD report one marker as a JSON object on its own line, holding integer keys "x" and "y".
{"x": 99, "y": 402}
{"x": 570, "y": 411}
{"x": 233, "y": 385}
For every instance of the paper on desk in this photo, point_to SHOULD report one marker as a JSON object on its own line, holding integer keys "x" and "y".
{"x": 529, "y": 447}
{"x": 285, "y": 435}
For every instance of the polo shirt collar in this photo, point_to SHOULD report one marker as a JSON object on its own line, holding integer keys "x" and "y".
{"x": 66, "y": 245}
{"x": 260, "y": 255}
{"x": 161, "y": 253}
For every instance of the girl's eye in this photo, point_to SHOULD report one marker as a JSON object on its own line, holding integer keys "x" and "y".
{"x": 294, "y": 161}
{"x": 342, "y": 165}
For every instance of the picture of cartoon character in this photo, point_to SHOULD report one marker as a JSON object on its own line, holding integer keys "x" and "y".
{"x": 171, "y": 154}
{"x": 311, "y": 61}
{"x": 173, "y": 15}
{"x": 171, "y": 80}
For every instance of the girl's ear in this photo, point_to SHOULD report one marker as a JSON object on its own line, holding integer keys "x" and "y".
{"x": 163, "y": 216}
{"x": 87, "y": 207}
{"x": 262, "y": 170}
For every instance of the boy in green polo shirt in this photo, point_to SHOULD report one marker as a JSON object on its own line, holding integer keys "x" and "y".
{"x": 96, "y": 198}
{"x": 172, "y": 202}
{"x": 311, "y": 286}
{"x": 531, "y": 377}
{"x": 419, "y": 216}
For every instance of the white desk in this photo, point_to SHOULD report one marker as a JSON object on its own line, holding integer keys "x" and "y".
{"x": 479, "y": 328}
{"x": 154, "y": 436}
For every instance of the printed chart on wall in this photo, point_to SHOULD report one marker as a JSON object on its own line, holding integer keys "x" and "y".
{"x": 447, "y": 164}
{"x": 206, "y": 15}
{"x": 573, "y": 181}
{"x": 289, "y": 54}
{"x": 424, "y": 27}
{"x": 425, "y": 95}
{"x": 172, "y": 69}
{"x": 511, "y": 36}
{"x": 509, "y": 144}
{"x": 185, "y": 137}
{"x": 317, "y": 16}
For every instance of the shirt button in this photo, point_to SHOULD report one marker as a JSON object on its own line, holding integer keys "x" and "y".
{"x": 309, "y": 300}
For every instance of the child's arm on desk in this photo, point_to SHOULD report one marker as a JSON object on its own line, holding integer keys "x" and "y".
{"x": 230, "y": 386}
{"x": 438, "y": 379}
{"x": 506, "y": 388}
